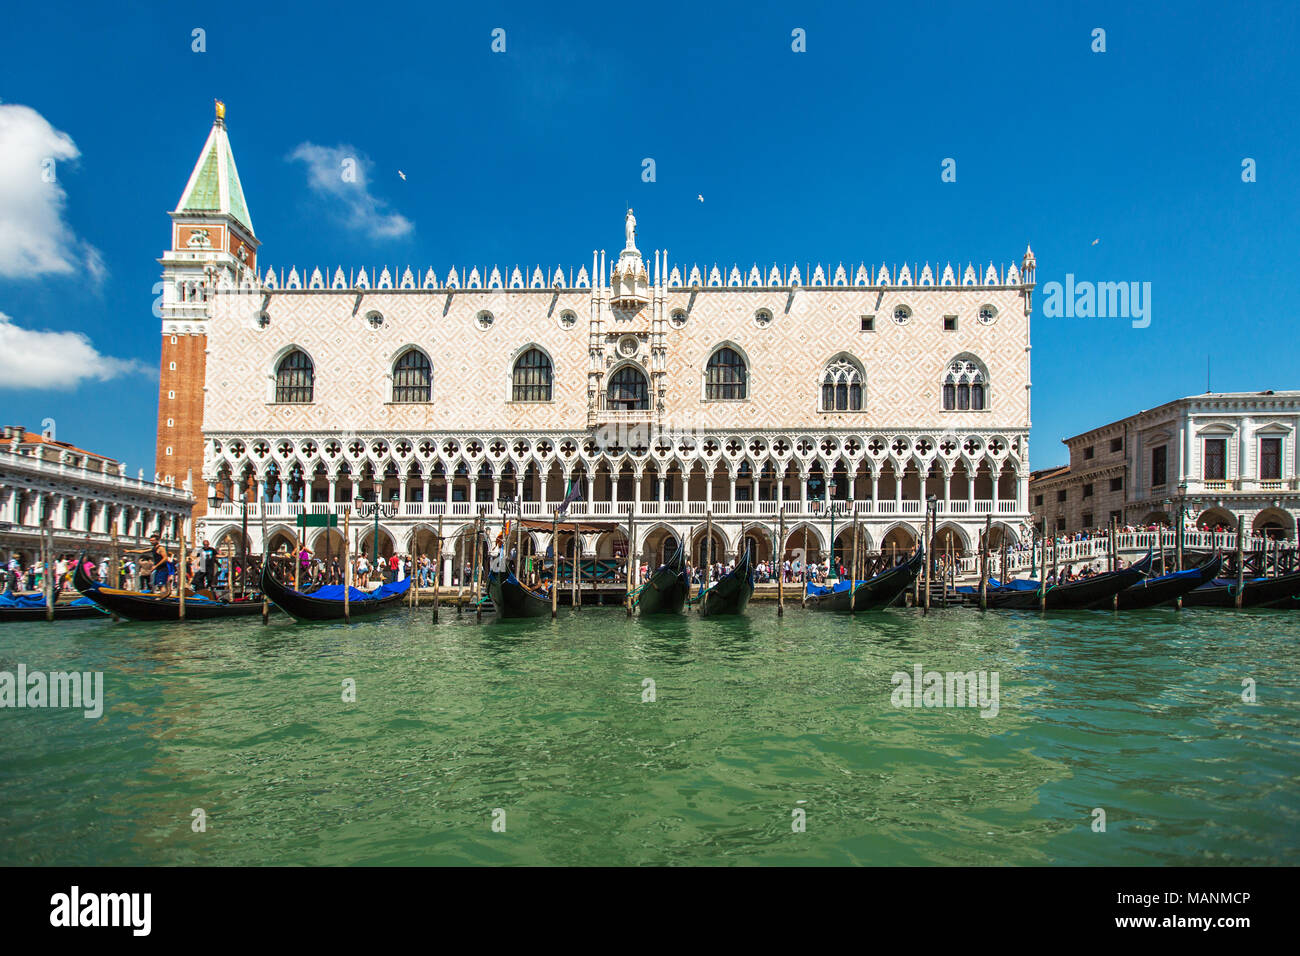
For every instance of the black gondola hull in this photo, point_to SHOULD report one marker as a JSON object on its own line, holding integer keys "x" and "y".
{"x": 512, "y": 599}
{"x": 880, "y": 591}
{"x": 1270, "y": 592}
{"x": 1154, "y": 592}
{"x": 1095, "y": 593}
{"x": 304, "y": 607}
{"x": 142, "y": 607}
{"x": 62, "y": 612}
{"x": 667, "y": 590}
{"x": 732, "y": 592}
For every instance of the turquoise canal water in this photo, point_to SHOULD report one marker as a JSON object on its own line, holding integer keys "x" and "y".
{"x": 754, "y": 718}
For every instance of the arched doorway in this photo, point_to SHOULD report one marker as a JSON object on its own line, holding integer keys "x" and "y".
{"x": 702, "y": 554}
{"x": 1272, "y": 523}
{"x": 1216, "y": 519}
{"x": 898, "y": 540}
{"x": 803, "y": 543}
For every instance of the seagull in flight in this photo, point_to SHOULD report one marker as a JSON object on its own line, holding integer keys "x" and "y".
{"x": 1095, "y": 241}
{"x": 402, "y": 174}
{"x": 700, "y": 197}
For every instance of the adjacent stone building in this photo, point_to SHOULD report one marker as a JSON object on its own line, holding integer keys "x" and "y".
{"x": 672, "y": 389}
{"x": 1211, "y": 457}
{"x": 80, "y": 496}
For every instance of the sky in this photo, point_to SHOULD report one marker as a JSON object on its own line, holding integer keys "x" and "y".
{"x": 1122, "y": 165}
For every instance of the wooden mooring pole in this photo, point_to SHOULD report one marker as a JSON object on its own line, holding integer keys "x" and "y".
{"x": 1042, "y": 576}
{"x": 575, "y": 598}
{"x": 478, "y": 566}
{"x": 555, "y": 563}
{"x": 780, "y": 563}
{"x": 1241, "y": 559}
{"x": 437, "y": 571}
{"x": 347, "y": 567}
{"x": 47, "y": 562}
{"x": 631, "y": 574}
{"x": 460, "y": 573}
{"x": 853, "y": 567}
{"x": 182, "y": 565}
{"x": 984, "y": 563}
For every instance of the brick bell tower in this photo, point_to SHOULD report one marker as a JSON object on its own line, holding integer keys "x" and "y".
{"x": 212, "y": 242}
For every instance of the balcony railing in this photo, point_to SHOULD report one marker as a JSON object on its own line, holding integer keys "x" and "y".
{"x": 416, "y": 510}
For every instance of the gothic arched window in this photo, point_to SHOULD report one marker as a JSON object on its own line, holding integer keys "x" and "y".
{"x": 842, "y": 386}
{"x": 726, "y": 377}
{"x": 412, "y": 377}
{"x": 628, "y": 390}
{"x": 531, "y": 378}
{"x": 965, "y": 385}
{"x": 294, "y": 378}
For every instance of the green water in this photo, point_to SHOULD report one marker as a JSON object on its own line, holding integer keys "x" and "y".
{"x": 1139, "y": 714}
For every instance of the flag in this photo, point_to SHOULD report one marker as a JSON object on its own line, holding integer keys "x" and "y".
{"x": 574, "y": 494}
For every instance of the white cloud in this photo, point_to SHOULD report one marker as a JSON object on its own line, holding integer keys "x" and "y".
{"x": 34, "y": 238}
{"x": 339, "y": 174}
{"x": 55, "y": 360}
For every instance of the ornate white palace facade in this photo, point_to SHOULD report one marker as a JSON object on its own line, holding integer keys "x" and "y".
{"x": 667, "y": 389}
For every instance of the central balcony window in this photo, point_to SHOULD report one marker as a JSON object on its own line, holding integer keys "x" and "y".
{"x": 626, "y": 398}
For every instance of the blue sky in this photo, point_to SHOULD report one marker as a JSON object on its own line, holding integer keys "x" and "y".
{"x": 529, "y": 156}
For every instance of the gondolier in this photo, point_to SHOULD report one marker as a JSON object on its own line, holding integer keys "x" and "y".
{"x": 160, "y": 559}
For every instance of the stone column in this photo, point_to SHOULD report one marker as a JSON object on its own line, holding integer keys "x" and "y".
{"x": 994, "y": 475}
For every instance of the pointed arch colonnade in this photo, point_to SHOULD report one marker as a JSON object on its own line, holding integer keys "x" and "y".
{"x": 671, "y": 483}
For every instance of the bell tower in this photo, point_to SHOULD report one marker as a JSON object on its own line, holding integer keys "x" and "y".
{"x": 212, "y": 243}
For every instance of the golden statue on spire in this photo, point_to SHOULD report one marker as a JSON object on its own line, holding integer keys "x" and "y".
{"x": 221, "y": 111}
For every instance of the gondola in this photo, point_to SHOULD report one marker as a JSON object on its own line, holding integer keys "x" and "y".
{"x": 731, "y": 593}
{"x": 1096, "y": 592}
{"x": 667, "y": 589}
{"x": 1257, "y": 592}
{"x": 878, "y": 591}
{"x": 1168, "y": 588}
{"x": 512, "y": 599}
{"x": 136, "y": 606}
{"x": 31, "y": 607}
{"x": 326, "y": 603}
